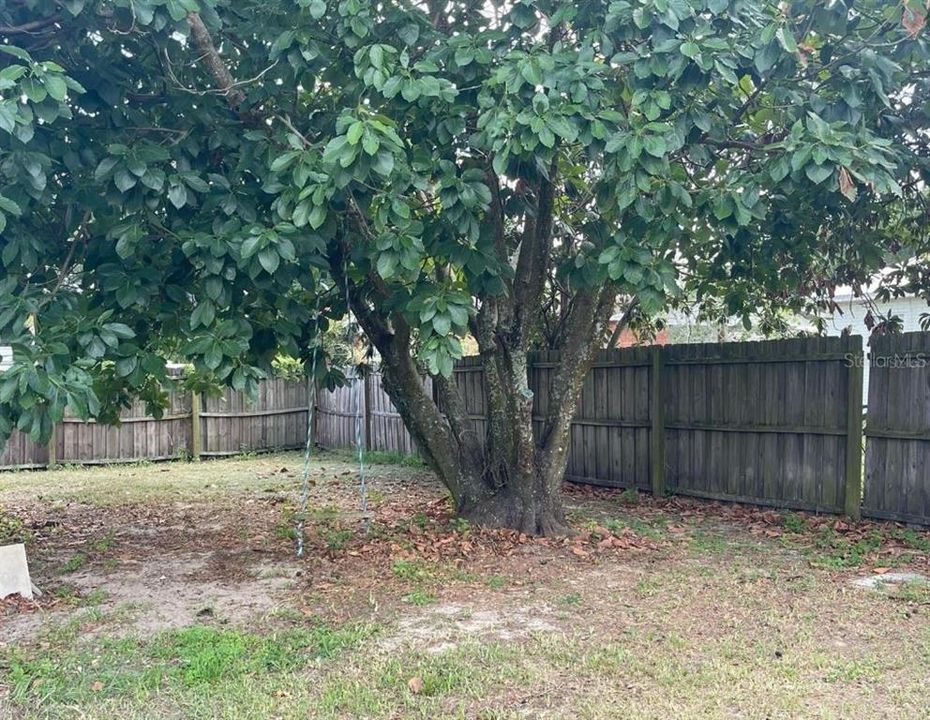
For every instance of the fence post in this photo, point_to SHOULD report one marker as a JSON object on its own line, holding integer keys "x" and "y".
{"x": 855, "y": 370}
{"x": 196, "y": 431}
{"x": 657, "y": 417}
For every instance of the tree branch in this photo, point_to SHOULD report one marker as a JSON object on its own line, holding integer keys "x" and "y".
{"x": 530, "y": 276}
{"x": 622, "y": 323}
{"x": 582, "y": 341}
{"x": 29, "y": 27}
{"x": 210, "y": 57}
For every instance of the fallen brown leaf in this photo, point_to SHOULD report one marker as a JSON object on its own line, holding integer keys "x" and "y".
{"x": 415, "y": 685}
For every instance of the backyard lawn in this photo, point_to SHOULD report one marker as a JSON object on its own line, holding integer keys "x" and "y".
{"x": 172, "y": 591}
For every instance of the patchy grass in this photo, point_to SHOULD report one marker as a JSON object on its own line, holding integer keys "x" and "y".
{"x": 187, "y": 602}
{"x": 420, "y": 598}
{"x": 12, "y": 530}
{"x": 190, "y": 661}
{"x": 74, "y": 563}
{"x": 832, "y": 550}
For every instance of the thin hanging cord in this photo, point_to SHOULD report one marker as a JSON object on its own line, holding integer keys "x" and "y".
{"x": 359, "y": 445}
{"x": 308, "y": 450}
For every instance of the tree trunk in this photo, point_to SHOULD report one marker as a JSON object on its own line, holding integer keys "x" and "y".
{"x": 531, "y": 505}
{"x": 512, "y": 477}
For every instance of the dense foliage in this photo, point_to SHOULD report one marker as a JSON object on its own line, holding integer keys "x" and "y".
{"x": 197, "y": 180}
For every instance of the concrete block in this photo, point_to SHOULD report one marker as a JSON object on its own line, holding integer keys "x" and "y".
{"x": 14, "y": 572}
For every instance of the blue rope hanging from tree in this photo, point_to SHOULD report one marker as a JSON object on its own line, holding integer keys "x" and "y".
{"x": 357, "y": 380}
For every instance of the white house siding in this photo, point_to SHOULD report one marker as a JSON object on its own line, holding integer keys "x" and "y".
{"x": 853, "y": 318}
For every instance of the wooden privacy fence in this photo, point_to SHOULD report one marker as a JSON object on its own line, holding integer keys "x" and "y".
{"x": 772, "y": 423}
{"x": 362, "y": 404}
{"x": 897, "y": 458}
{"x": 775, "y": 423}
{"x": 192, "y": 426}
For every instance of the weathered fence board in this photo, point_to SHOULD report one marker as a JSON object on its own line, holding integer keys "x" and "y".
{"x": 610, "y": 436}
{"x": 138, "y": 437}
{"x": 225, "y": 425}
{"x": 762, "y": 422}
{"x": 897, "y": 460}
{"x": 22, "y": 452}
{"x": 337, "y": 413}
{"x": 765, "y": 422}
{"x": 276, "y": 420}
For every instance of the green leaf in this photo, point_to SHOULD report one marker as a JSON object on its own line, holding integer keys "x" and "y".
{"x": 655, "y": 145}
{"x": 34, "y": 90}
{"x": 301, "y": 213}
{"x": 177, "y": 194}
{"x": 386, "y": 264}
{"x": 410, "y": 90}
{"x": 250, "y": 246}
{"x": 56, "y": 87}
{"x": 121, "y": 330}
{"x": 284, "y": 161}
{"x": 370, "y": 142}
{"x": 818, "y": 173}
{"x": 317, "y": 217}
{"x": 464, "y": 56}
{"x": 16, "y": 52}
{"x": 176, "y": 10}
{"x": 546, "y": 137}
{"x": 8, "y": 206}
{"x": 355, "y": 132}
{"x": 334, "y": 148}
{"x": 213, "y": 358}
{"x": 779, "y": 171}
{"x": 104, "y": 168}
{"x": 203, "y": 314}
{"x": 530, "y": 71}
{"x": 376, "y": 57}
{"x": 317, "y": 9}
{"x": 409, "y": 34}
{"x": 124, "y": 180}
{"x": 786, "y": 38}
{"x": 269, "y": 260}
{"x": 690, "y": 49}
{"x": 154, "y": 179}
{"x": 383, "y": 163}
{"x": 7, "y": 116}
{"x": 196, "y": 183}
{"x": 442, "y": 324}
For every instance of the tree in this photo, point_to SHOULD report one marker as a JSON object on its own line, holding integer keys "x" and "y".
{"x": 202, "y": 180}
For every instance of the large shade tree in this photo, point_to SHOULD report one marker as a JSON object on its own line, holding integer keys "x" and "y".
{"x": 198, "y": 180}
